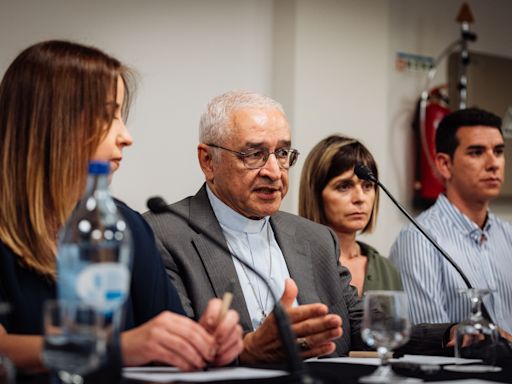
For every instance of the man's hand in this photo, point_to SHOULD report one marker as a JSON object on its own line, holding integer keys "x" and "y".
{"x": 171, "y": 339}
{"x": 507, "y": 336}
{"x": 453, "y": 333}
{"x": 311, "y": 323}
{"x": 470, "y": 339}
{"x": 227, "y": 333}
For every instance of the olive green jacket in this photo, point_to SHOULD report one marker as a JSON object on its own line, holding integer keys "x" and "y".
{"x": 381, "y": 274}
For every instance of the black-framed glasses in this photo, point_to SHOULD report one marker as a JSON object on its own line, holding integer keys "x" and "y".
{"x": 257, "y": 158}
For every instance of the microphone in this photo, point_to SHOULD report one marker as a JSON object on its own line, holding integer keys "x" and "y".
{"x": 296, "y": 366}
{"x": 158, "y": 205}
{"x": 504, "y": 347}
{"x": 365, "y": 173}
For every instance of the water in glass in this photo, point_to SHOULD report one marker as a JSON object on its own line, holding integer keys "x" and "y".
{"x": 386, "y": 326}
{"x": 73, "y": 342}
{"x": 476, "y": 337}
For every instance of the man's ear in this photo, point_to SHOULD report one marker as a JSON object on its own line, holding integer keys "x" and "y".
{"x": 205, "y": 161}
{"x": 443, "y": 163}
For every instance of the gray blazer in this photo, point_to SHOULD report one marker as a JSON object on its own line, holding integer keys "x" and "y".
{"x": 201, "y": 270}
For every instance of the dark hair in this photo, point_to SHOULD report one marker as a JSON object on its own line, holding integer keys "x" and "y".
{"x": 329, "y": 158}
{"x": 446, "y": 134}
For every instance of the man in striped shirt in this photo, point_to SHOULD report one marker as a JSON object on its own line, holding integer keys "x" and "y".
{"x": 470, "y": 159}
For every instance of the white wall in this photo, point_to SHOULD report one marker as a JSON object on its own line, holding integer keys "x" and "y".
{"x": 427, "y": 28}
{"x": 345, "y": 80}
{"x": 330, "y": 62}
{"x": 186, "y": 52}
{"x": 341, "y": 72}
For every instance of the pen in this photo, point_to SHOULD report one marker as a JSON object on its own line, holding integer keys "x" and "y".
{"x": 227, "y": 298}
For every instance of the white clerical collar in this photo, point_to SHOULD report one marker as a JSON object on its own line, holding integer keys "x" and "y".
{"x": 233, "y": 220}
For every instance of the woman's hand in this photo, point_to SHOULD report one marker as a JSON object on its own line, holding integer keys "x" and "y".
{"x": 227, "y": 333}
{"x": 171, "y": 339}
{"x": 23, "y": 350}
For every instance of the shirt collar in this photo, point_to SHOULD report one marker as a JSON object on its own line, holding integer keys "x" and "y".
{"x": 464, "y": 223}
{"x": 232, "y": 219}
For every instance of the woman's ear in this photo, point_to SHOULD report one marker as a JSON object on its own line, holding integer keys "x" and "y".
{"x": 443, "y": 163}
{"x": 205, "y": 161}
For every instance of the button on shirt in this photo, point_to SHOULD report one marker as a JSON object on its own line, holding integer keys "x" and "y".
{"x": 431, "y": 282}
{"x": 253, "y": 241}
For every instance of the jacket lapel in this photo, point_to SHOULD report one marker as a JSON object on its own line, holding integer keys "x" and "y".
{"x": 213, "y": 251}
{"x": 297, "y": 254}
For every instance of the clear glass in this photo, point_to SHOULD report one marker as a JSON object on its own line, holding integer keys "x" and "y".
{"x": 476, "y": 337}
{"x": 7, "y": 370}
{"x": 386, "y": 326}
{"x": 74, "y": 340}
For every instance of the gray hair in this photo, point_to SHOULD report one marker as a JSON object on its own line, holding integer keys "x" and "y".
{"x": 215, "y": 121}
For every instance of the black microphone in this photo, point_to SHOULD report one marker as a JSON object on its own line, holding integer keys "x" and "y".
{"x": 296, "y": 366}
{"x": 365, "y": 173}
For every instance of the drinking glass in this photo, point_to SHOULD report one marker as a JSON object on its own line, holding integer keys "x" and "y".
{"x": 386, "y": 326}
{"x": 74, "y": 340}
{"x": 7, "y": 370}
{"x": 476, "y": 337}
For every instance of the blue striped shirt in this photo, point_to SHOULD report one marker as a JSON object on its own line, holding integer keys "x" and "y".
{"x": 432, "y": 283}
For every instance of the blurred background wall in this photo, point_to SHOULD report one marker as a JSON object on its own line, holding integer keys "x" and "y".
{"x": 331, "y": 63}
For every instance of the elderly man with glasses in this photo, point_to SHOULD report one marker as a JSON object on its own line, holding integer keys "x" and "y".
{"x": 245, "y": 153}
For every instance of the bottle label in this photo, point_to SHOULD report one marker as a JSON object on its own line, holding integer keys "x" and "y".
{"x": 103, "y": 285}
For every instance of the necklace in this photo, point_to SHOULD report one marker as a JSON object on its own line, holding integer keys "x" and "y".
{"x": 257, "y": 295}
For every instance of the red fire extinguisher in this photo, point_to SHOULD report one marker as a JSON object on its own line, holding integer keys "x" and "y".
{"x": 426, "y": 184}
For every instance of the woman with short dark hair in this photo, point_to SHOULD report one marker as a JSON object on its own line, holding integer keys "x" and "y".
{"x": 331, "y": 194}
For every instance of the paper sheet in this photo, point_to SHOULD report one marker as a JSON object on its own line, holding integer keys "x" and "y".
{"x": 468, "y": 381}
{"x": 419, "y": 359}
{"x": 438, "y": 360}
{"x": 170, "y": 374}
{"x": 346, "y": 360}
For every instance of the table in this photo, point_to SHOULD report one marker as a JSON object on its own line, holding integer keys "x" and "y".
{"x": 350, "y": 373}
{"x": 333, "y": 373}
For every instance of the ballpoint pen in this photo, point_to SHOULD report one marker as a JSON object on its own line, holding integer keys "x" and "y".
{"x": 227, "y": 298}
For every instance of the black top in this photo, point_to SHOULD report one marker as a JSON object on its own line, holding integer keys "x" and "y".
{"x": 151, "y": 291}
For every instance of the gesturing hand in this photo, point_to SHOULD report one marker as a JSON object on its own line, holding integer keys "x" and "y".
{"x": 312, "y": 324}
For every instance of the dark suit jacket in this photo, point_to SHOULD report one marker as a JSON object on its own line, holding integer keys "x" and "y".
{"x": 201, "y": 269}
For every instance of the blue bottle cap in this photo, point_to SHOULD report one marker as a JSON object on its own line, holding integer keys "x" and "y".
{"x": 99, "y": 168}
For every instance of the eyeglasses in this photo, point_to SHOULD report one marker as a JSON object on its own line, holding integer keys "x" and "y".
{"x": 257, "y": 158}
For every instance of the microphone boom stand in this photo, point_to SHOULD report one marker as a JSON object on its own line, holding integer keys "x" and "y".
{"x": 422, "y": 230}
{"x": 296, "y": 368}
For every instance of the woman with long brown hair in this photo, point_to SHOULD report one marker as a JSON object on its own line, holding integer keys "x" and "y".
{"x": 62, "y": 105}
{"x": 331, "y": 194}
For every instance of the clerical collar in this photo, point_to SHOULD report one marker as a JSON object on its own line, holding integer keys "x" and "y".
{"x": 233, "y": 220}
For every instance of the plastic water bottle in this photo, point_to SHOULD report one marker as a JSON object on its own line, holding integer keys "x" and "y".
{"x": 94, "y": 248}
